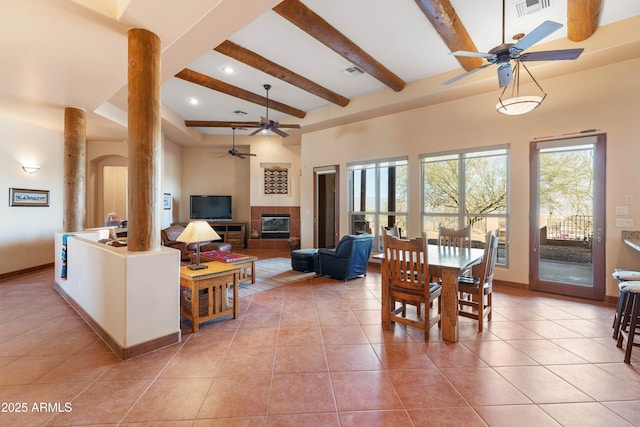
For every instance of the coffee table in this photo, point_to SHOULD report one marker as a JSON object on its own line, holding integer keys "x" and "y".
{"x": 246, "y": 263}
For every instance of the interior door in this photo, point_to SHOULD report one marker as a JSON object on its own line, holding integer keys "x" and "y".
{"x": 326, "y": 210}
{"x": 567, "y": 254}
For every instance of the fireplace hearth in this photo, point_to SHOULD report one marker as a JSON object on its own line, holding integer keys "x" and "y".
{"x": 260, "y": 240}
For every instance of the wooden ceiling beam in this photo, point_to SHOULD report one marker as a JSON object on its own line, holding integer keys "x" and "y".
{"x": 220, "y": 86}
{"x": 237, "y": 125}
{"x": 446, "y": 22}
{"x": 308, "y": 21}
{"x": 265, "y": 65}
{"x": 582, "y": 19}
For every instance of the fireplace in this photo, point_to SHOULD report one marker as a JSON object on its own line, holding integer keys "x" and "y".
{"x": 275, "y": 226}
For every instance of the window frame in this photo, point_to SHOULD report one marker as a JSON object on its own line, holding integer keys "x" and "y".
{"x": 461, "y": 215}
{"x": 377, "y": 213}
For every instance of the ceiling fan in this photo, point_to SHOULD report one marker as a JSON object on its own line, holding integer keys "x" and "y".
{"x": 263, "y": 125}
{"x": 269, "y": 125}
{"x": 502, "y": 54}
{"x": 234, "y": 152}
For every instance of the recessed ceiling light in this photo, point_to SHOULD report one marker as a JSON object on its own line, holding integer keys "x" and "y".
{"x": 193, "y": 101}
{"x": 228, "y": 69}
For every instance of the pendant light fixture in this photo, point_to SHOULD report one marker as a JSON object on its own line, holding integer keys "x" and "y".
{"x": 517, "y": 104}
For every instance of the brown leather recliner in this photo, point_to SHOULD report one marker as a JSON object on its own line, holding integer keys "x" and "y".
{"x": 170, "y": 234}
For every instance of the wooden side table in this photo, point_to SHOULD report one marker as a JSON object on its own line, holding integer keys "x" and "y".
{"x": 216, "y": 279}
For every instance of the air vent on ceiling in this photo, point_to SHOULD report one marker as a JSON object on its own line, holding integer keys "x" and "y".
{"x": 353, "y": 71}
{"x": 527, "y": 7}
{"x": 239, "y": 112}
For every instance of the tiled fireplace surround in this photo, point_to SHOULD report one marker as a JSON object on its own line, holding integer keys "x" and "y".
{"x": 256, "y": 222}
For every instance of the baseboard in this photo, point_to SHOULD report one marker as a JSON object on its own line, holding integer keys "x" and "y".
{"x": 25, "y": 271}
{"x": 123, "y": 353}
{"x": 512, "y": 285}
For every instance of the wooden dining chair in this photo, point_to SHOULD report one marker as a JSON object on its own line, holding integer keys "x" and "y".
{"x": 451, "y": 237}
{"x": 405, "y": 274}
{"x": 460, "y": 238}
{"x": 479, "y": 288}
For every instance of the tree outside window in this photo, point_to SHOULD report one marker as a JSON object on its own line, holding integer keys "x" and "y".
{"x": 467, "y": 188}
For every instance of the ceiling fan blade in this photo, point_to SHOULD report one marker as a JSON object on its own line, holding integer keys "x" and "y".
{"x": 473, "y": 54}
{"x": 255, "y": 132}
{"x": 279, "y": 132}
{"x": 537, "y": 34}
{"x": 455, "y": 79}
{"x": 551, "y": 55}
{"x": 505, "y": 75}
{"x": 264, "y": 121}
{"x": 245, "y": 154}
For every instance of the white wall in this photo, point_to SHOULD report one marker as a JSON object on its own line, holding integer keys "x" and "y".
{"x": 602, "y": 98}
{"x": 270, "y": 151}
{"x": 172, "y": 182}
{"x": 116, "y": 288}
{"x": 26, "y": 233}
{"x": 204, "y": 171}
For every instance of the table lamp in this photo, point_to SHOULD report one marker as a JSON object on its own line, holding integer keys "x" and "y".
{"x": 197, "y": 232}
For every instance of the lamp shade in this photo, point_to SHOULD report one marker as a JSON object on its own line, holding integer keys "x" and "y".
{"x": 198, "y": 231}
{"x": 518, "y": 105}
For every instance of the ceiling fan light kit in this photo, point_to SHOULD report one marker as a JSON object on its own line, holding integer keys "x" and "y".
{"x": 503, "y": 54}
{"x": 517, "y": 104}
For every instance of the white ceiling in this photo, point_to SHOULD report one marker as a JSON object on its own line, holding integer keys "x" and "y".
{"x": 59, "y": 53}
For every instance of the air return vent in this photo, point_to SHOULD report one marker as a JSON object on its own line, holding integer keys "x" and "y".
{"x": 527, "y": 7}
{"x": 353, "y": 71}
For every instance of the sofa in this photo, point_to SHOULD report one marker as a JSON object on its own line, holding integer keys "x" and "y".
{"x": 349, "y": 259}
{"x": 170, "y": 234}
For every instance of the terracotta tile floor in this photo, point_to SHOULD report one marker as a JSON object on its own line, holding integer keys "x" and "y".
{"x": 313, "y": 353}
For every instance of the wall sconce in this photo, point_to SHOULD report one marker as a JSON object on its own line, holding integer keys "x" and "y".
{"x": 31, "y": 169}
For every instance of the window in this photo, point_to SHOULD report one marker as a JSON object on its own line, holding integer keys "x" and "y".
{"x": 377, "y": 197}
{"x": 468, "y": 187}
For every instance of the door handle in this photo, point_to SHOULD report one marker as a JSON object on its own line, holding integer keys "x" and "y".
{"x": 599, "y": 235}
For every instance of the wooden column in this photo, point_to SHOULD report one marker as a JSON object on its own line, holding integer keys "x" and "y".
{"x": 144, "y": 141}
{"x": 582, "y": 19}
{"x": 75, "y": 167}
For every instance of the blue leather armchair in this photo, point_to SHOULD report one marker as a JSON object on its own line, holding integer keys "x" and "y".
{"x": 348, "y": 260}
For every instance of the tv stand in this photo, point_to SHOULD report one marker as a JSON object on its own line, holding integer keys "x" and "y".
{"x": 233, "y": 233}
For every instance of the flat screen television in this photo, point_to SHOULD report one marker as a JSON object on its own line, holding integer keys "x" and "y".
{"x": 211, "y": 208}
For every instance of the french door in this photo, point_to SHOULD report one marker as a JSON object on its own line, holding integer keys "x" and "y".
{"x": 567, "y": 234}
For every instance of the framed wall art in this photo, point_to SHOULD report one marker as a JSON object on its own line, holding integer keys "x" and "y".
{"x": 276, "y": 180}
{"x": 24, "y": 197}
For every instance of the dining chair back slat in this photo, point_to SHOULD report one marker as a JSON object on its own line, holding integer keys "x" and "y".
{"x": 460, "y": 238}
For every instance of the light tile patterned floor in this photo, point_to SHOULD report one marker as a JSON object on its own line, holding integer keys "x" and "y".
{"x": 313, "y": 353}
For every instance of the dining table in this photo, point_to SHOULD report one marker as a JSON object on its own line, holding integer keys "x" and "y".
{"x": 447, "y": 263}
